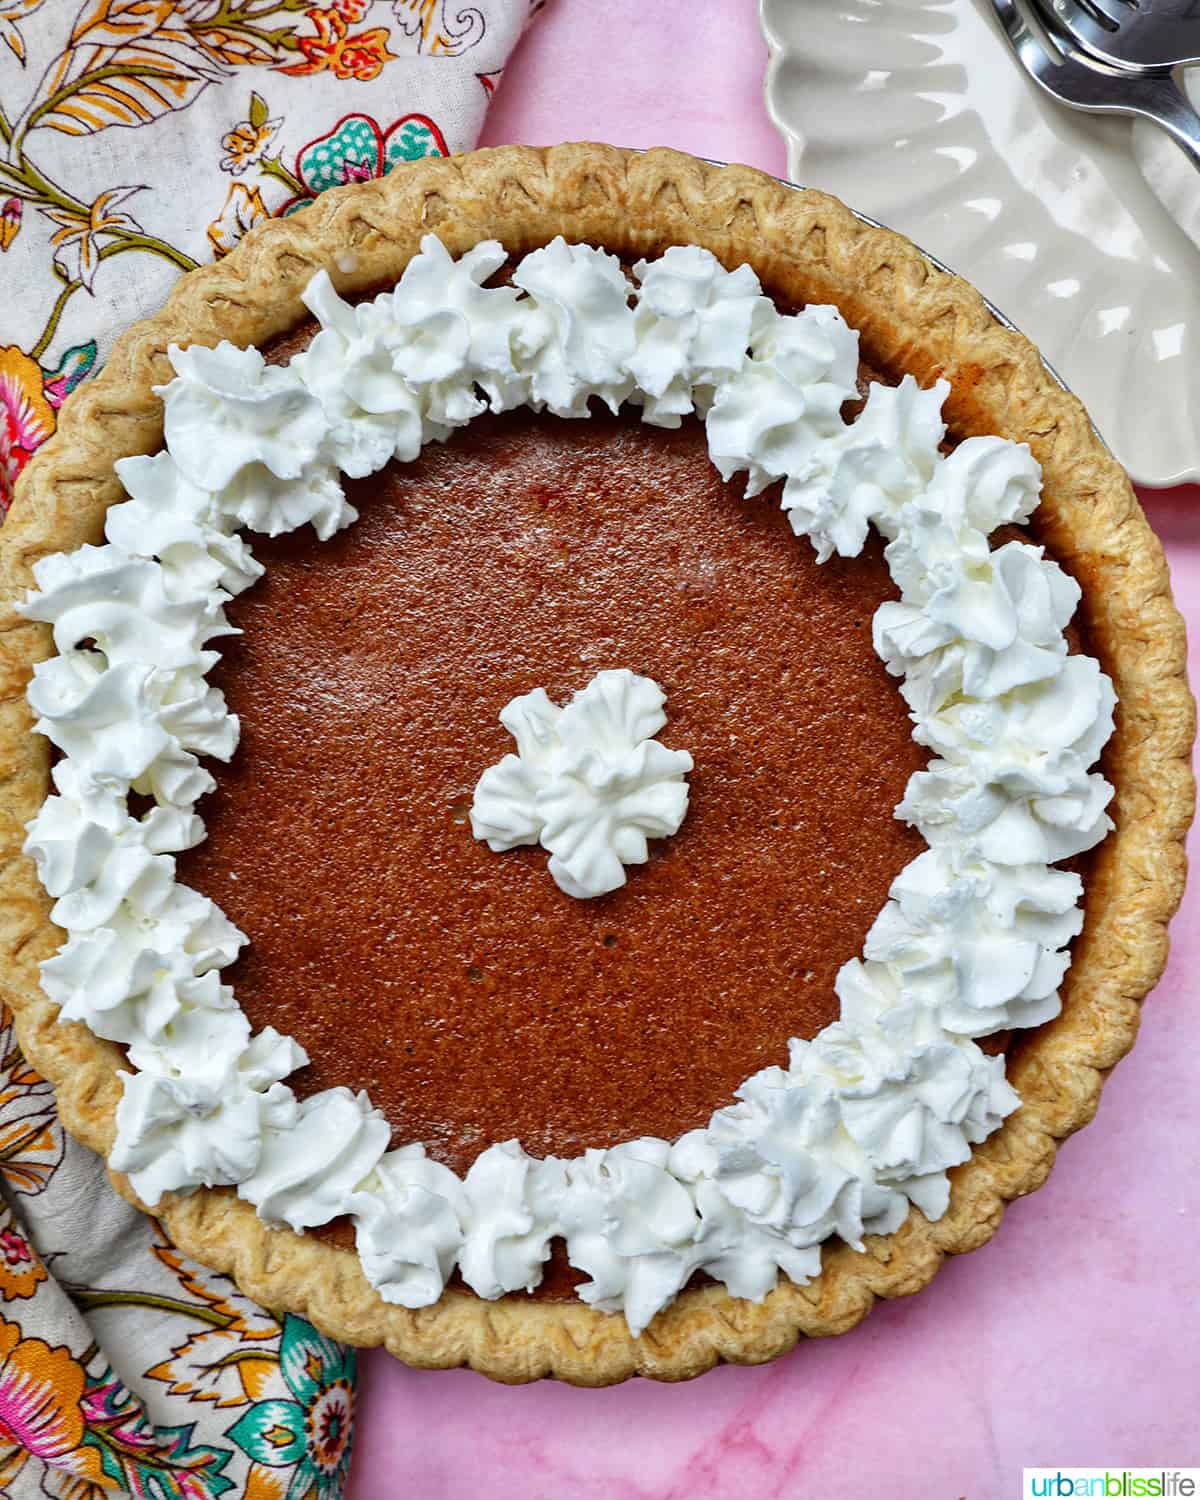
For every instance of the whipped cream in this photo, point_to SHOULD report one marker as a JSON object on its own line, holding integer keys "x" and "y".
{"x": 868, "y": 1117}
{"x": 632, "y": 1226}
{"x": 311, "y": 1162}
{"x": 511, "y": 1214}
{"x": 981, "y": 630}
{"x": 865, "y": 471}
{"x": 981, "y": 946}
{"x": 589, "y": 782}
{"x": 784, "y": 1157}
{"x": 578, "y": 335}
{"x": 747, "y": 1256}
{"x": 169, "y": 518}
{"x": 772, "y": 414}
{"x": 227, "y": 409}
{"x": 409, "y": 1217}
{"x": 205, "y": 1127}
{"x": 913, "y": 1096}
{"x": 693, "y": 325}
{"x": 120, "y": 973}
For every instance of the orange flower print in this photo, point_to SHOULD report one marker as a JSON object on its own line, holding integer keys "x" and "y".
{"x": 224, "y": 1301}
{"x": 20, "y": 1268}
{"x": 244, "y": 208}
{"x": 40, "y": 1413}
{"x": 235, "y": 1359}
{"x": 77, "y": 242}
{"x": 245, "y": 143}
{"x": 10, "y": 222}
{"x": 360, "y": 56}
{"x": 31, "y": 1138}
{"x": 12, "y": 11}
{"x": 266, "y": 1484}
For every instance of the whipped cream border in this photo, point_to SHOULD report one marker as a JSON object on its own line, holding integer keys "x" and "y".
{"x": 868, "y": 1116}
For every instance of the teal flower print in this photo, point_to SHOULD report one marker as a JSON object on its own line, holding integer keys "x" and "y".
{"x": 139, "y": 1459}
{"x": 357, "y": 150}
{"x": 313, "y": 1432}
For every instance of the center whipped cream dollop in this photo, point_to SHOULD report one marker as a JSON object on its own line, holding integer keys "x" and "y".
{"x": 867, "y": 1117}
{"x": 588, "y": 782}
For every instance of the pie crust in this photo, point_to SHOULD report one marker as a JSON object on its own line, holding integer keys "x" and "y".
{"x": 806, "y": 247}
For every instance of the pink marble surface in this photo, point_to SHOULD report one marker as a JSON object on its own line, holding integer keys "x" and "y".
{"x": 1074, "y": 1337}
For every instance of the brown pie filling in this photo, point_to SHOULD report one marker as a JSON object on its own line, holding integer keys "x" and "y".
{"x": 471, "y": 998}
{"x": 462, "y": 989}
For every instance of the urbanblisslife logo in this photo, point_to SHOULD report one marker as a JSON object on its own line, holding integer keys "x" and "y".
{"x": 1113, "y": 1484}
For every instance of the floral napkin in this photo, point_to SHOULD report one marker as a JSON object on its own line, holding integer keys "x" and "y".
{"x": 141, "y": 138}
{"x": 138, "y": 139}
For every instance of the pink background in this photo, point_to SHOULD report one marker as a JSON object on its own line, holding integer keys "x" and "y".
{"x": 1074, "y": 1337}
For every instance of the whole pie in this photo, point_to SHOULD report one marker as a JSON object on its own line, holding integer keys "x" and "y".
{"x": 668, "y": 823}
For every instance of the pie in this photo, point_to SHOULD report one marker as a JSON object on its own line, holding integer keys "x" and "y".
{"x": 708, "y": 744}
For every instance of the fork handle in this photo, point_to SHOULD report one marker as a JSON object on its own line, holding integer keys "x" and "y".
{"x": 1159, "y": 99}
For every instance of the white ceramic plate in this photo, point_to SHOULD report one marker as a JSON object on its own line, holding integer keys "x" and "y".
{"x": 914, "y": 112}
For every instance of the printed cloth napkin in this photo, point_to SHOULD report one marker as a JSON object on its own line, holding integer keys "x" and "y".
{"x": 138, "y": 139}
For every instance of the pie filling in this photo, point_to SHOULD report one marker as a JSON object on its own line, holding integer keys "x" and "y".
{"x": 486, "y": 1013}
{"x": 470, "y": 997}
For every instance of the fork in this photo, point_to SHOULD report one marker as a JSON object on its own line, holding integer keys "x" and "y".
{"x": 1132, "y": 33}
{"x": 1071, "y": 76}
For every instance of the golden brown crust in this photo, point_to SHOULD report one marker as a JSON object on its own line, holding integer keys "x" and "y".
{"x": 807, "y": 247}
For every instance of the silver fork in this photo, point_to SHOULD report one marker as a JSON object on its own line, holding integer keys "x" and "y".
{"x": 1133, "y": 33}
{"x": 1071, "y": 76}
